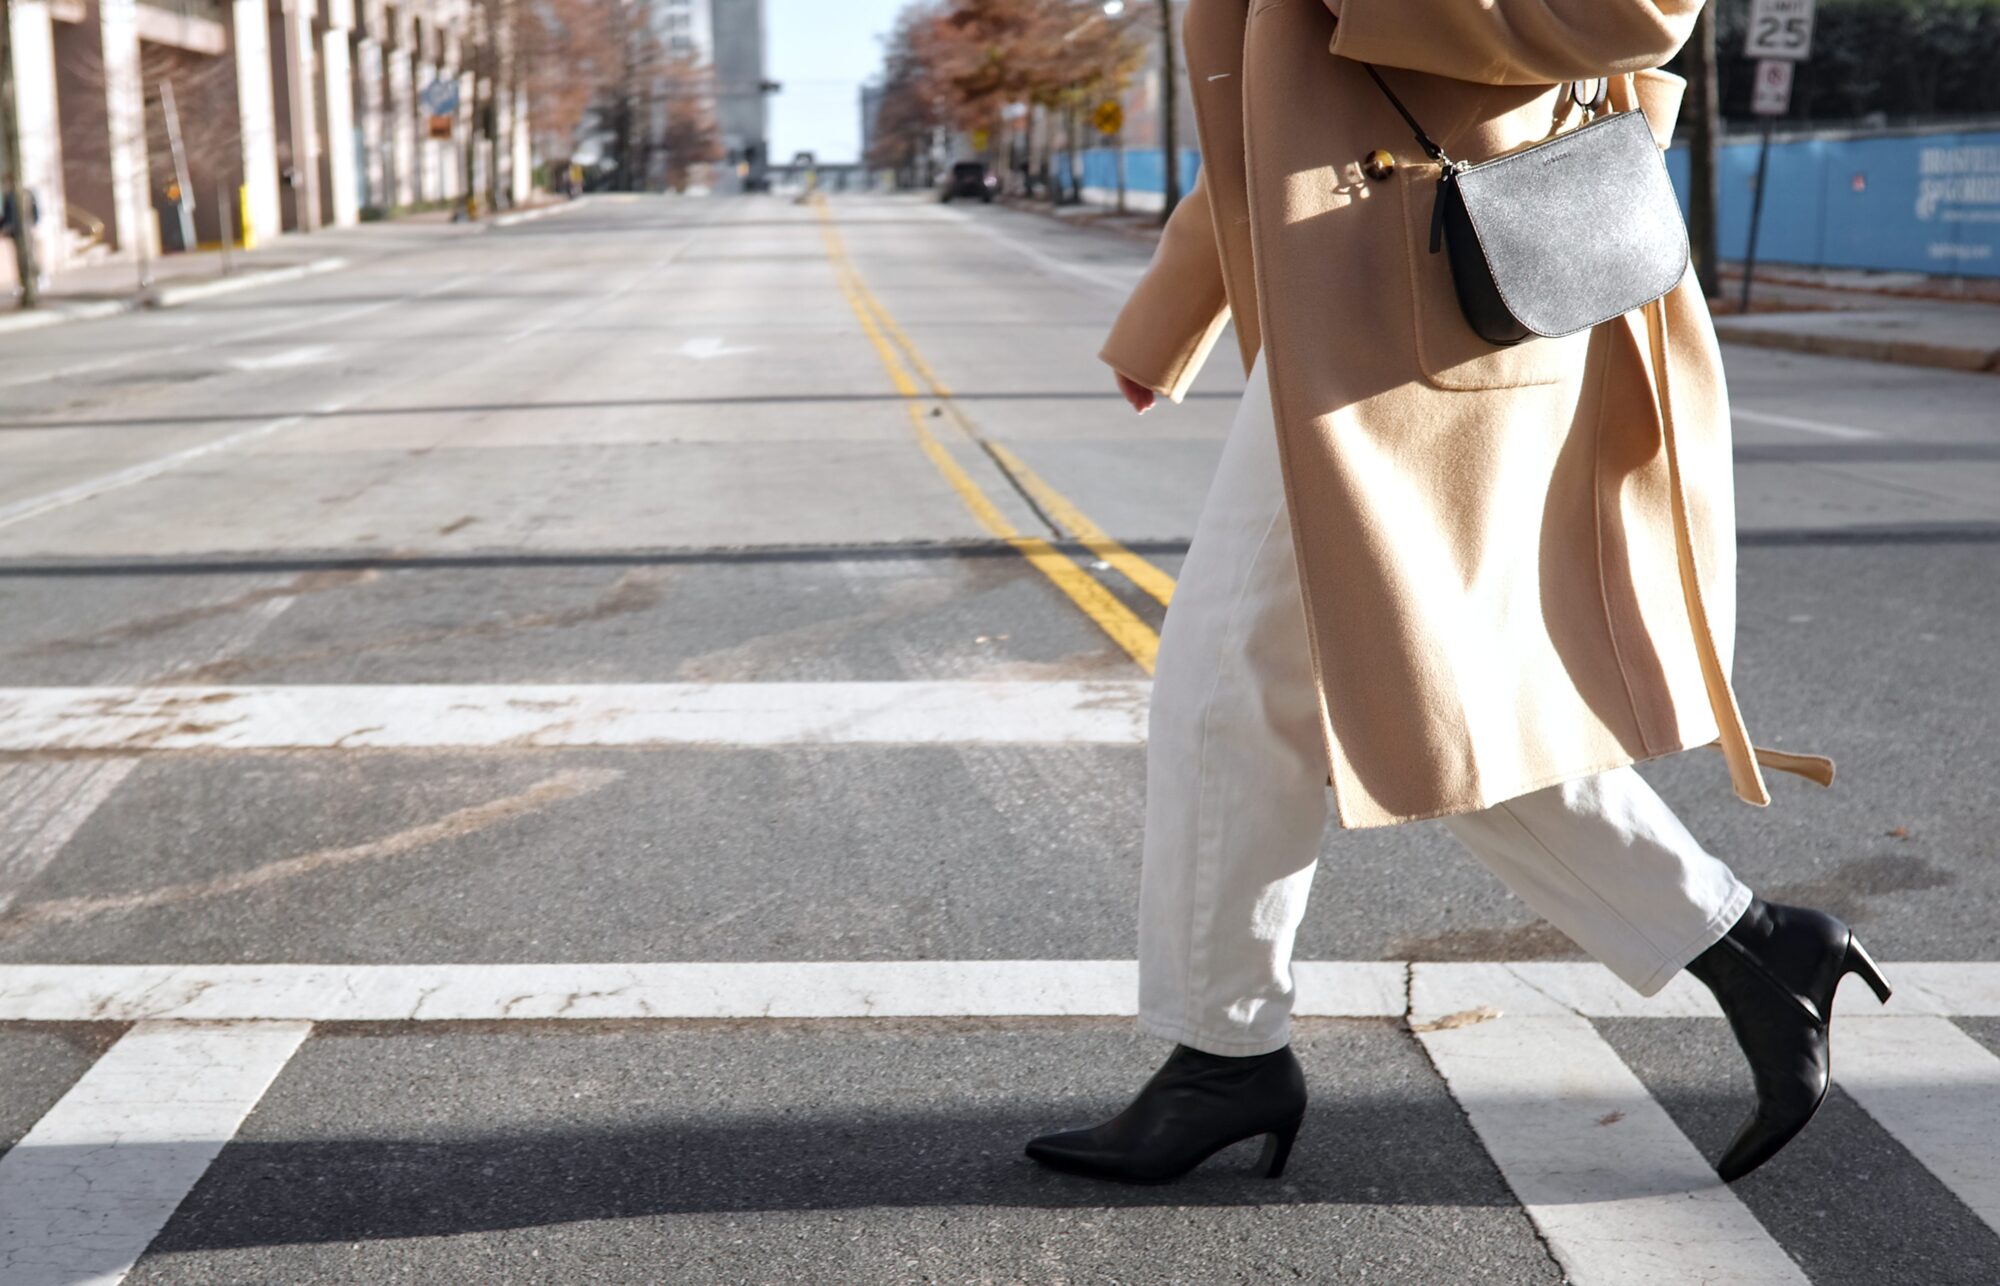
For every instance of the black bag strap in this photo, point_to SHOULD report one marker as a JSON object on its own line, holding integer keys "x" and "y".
{"x": 1593, "y": 105}
{"x": 1431, "y": 149}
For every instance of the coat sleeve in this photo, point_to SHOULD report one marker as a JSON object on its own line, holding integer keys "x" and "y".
{"x": 1178, "y": 309}
{"x": 1513, "y": 42}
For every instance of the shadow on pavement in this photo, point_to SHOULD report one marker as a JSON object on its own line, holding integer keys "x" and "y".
{"x": 1379, "y": 1153}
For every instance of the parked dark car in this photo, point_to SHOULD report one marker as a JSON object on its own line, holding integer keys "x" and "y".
{"x": 971, "y": 179}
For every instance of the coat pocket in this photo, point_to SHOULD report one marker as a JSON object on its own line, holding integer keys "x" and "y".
{"x": 1449, "y": 353}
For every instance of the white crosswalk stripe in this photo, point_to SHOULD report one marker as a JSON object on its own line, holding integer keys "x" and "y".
{"x": 1617, "y": 1191}
{"x": 1937, "y": 1091}
{"x": 1056, "y": 712}
{"x": 1619, "y": 1194}
{"x": 87, "y": 1190}
{"x": 699, "y": 989}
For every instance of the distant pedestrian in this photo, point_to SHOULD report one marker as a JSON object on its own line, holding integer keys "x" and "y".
{"x": 1445, "y": 578}
{"x": 9, "y": 223}
{"x": 7, "y": 211}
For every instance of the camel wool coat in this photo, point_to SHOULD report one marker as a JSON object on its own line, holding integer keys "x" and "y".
{"x": 1518, "y": 564}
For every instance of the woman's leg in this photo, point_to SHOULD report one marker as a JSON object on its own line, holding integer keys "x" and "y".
{"x": 1236, "y": 800}
{"x": 1606, "y": 861}
{"x": 1236, "y": 806}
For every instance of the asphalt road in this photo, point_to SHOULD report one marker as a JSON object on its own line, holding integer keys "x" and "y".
{"x": 644, "y": 443}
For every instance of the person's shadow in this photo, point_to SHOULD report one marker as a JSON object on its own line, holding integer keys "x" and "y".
{"x": 1415, "y": 1152}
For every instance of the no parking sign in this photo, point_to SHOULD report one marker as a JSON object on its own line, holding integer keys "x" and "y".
{"x": 1772, "y": 94}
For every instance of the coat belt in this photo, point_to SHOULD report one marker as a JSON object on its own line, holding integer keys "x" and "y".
{"x": 1734, "y": 739}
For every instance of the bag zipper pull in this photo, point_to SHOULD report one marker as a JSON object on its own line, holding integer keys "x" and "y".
{"x": 1448, "y": 174}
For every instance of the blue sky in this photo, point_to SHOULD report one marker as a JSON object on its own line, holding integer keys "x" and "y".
{"x": 822, "y": 50}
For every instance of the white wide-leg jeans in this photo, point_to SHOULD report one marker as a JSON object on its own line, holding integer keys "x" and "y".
{"x": 1237, "y": 802}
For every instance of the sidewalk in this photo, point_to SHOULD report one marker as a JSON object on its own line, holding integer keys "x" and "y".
{"x": 106, "y": 289}
{"x": 109, "y": 288}
{"x": 1139, "y": 225}
{"x": 1950, "y": 323}
{"x": 1907, "y": 318}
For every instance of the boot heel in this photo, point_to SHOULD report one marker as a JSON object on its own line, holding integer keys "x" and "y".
{"x": 1860, "y": 963}
{"x": 1278, "y": 1149}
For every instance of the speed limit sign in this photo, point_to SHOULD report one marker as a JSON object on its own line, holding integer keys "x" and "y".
{"x": 1780, "y": 29}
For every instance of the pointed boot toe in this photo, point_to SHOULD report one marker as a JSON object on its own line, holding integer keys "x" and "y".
{"x": 1759, "y": 1140}
{"x": 1071, "y": 1150}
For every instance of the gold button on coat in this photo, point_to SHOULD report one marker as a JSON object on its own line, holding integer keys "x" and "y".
{"x": 1378, "y": 164}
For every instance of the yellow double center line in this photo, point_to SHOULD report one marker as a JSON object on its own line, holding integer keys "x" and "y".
{"x": 1139, "y": 640}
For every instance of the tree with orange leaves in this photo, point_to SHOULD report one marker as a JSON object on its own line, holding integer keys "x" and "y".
{"x": 961, "y": 64}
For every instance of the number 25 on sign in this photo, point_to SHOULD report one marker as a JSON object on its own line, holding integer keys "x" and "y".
{"x": 1780, "y": 29}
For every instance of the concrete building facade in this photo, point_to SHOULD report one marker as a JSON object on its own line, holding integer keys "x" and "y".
{"x": 254, "y": 117}
{"x": 728, "y": 36}
{"x": 741, "y": 109}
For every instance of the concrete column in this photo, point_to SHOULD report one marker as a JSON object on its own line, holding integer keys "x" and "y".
{"x": 503, "y": 143}
{"x": 41, "y": 137}
{"x": 256, "y": 114}
{"x": 294, "y": 74}
{"x": 132, "y": 217}
{"x": 373, "y": 136}
{"x": 402, "y": 124}
{"x": 338, "y": 77}
{"x": 522, "y": 178}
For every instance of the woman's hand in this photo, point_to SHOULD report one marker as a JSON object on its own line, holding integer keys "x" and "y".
{"x": 1136, "y": 393}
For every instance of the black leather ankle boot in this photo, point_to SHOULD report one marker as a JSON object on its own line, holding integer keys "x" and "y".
{"x": 1774, "y": 974}
{"x": 1193, "y": 1107}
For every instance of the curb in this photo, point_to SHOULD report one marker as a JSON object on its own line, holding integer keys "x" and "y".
{"x": 175, "y": 296}
{"x": 41, "y": 317}
{"x": 519, "y": 217}
{"x": 165, "y": 296}
{"x": 1901, "y": 352}
{"x": 1103, "y": 221}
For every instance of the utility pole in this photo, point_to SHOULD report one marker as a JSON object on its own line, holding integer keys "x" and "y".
{"x": 493, "y": 63}
{"x": 1704, "y": 111}
{"x": 1169, "y": 105}
{"x": 17, "y": 181}
{"x": 469, "y": 63}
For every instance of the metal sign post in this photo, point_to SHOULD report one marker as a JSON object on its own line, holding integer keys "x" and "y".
{"x": 183, "y": 188}
{"x": 1780, "y": 36}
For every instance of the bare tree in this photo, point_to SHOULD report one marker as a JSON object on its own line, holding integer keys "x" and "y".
{"x": 572, "y": 54}
{"x": 910, "y": 111}
{"x": 691, "y": 137}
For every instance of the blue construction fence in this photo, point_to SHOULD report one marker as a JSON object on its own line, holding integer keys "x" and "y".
{"x": 1927, "y": 202}
{"x": 1145, "y": 169}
